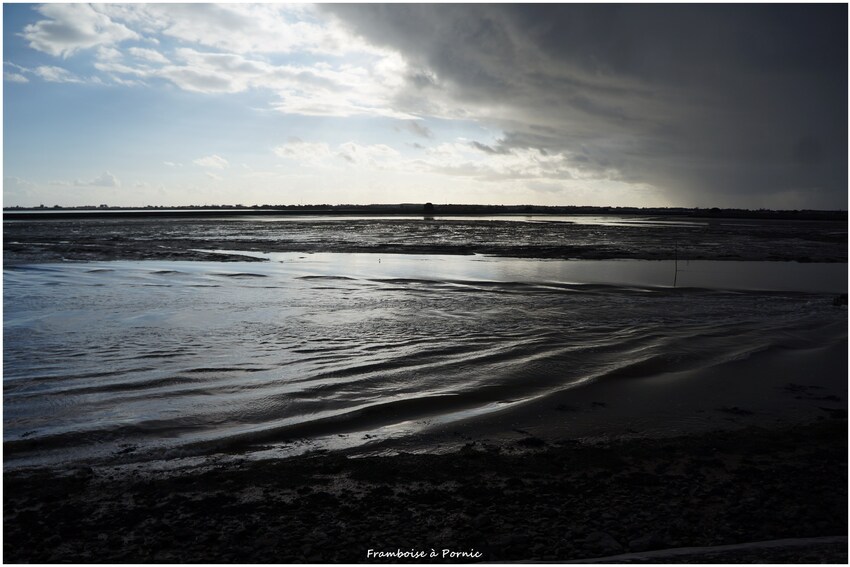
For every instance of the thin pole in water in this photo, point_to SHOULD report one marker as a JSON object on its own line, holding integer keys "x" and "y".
{"x": 675, "y": 261}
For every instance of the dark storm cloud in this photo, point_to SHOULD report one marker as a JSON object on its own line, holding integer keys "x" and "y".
{"x": 717, "y": 104}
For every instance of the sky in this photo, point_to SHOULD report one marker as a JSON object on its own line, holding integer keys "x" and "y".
{"x": 717, "y": 105}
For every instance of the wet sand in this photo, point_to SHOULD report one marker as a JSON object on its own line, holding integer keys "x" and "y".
{"x": 554, "y": 502}
{"x": 799, "y": 382}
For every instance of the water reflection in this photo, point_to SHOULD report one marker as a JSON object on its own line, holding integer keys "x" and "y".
{"x": 600, "y": 220}
{"x": 706, "y": 274}
{"x": 139, "y": 360}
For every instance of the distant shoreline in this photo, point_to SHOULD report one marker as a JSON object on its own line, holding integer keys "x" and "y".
{"x": 24, "y": 213}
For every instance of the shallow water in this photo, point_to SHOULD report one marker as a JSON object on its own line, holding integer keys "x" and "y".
{"x": 145, "y": 360}
{"x": 707, "y": 274}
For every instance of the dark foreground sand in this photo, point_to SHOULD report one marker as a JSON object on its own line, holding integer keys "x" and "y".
{"x": 554, "y": 502}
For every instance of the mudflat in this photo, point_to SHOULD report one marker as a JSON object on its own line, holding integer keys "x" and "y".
{"x": 557, "y": 502}
{"x": 636, "y": 237}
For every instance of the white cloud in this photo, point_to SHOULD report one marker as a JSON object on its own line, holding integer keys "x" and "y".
{"x": 212, "y": 176}
{"x": 49, "y": 73}
{"x": 17, "y": 184}
{"x": 104, "y": 180}
{"x": 303, "y": 152}
{"x": 242, "y": 28}
{"x": 332, "y": 104}
{"x": 15, "y": 77}
{"x": 319, "y": 89}
{"x": 375, "y": 155}
{"x": 71, "y": 27}
{"x": 53, "y": 74}
{"x": 341, "y": 75}
{"x": 213, "y": 161}
{"x": 113, "y": 66}
{"x": 123, "y": 82}
{"x": 105, "y": 53}
{"x": 172, "y": 164}
{"x": 148, "y": 55}
{"x": 472, "y": 159}
{"x": 462, "y": 158}
{"x": 17, "y": 191}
